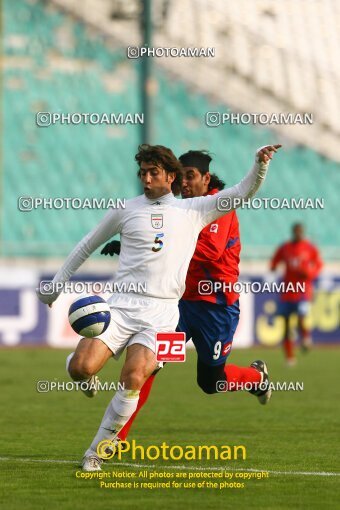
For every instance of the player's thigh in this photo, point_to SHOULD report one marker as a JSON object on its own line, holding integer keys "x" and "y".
{"x": 213, "y": 327}
{"x": 90, "y": 355}
{"x": 184, "y": 319}
{"x": 139, "y": 364}
{"x": 285, "y": 310}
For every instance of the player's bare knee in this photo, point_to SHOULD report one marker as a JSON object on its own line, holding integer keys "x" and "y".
{"x": 209, "y": 376}
{"x": 206, "y": 387}
{"x": 133, "y": 379}
{"x": 80, "y": 368}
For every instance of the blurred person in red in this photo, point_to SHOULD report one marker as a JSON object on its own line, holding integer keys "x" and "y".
{"x": 302, "y": 265}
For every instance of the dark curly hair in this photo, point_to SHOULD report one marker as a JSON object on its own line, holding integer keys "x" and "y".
{"x": 215, "y": 182}
{"x": 164, "y": 157}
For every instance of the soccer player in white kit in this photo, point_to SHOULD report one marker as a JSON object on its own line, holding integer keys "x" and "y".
{"x": 158, "y": 238}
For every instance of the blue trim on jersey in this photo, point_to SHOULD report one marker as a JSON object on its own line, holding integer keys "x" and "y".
{"x": 208, "y": 323}
{"x": 231, "y": 242}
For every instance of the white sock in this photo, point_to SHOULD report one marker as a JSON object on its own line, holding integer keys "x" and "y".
{"x": 68, "y": 360}
{"x": 118, "y": 412}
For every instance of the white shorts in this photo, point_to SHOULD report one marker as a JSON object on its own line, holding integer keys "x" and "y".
{"x": 136, "y": 320}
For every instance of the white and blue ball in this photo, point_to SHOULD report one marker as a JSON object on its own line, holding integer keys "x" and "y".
{"x": 89, "y": 316}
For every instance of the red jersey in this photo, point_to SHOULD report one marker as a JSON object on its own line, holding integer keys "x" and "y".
{"x": 216, "y": 259}
{"x": 302, "y": 264}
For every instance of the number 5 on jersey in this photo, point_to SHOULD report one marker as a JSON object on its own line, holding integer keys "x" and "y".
{"x": 158, "y": 242}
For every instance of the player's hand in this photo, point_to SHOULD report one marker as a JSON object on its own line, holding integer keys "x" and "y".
{"x": 46, "y": 297}
{"x": 111, "y": 248}
{"x": 266, "y": 153}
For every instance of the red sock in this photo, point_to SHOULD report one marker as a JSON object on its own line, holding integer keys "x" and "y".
{"x": 238, "y": 376}
{"x": 143, "y": 397}
{"x": 288, "y": 348}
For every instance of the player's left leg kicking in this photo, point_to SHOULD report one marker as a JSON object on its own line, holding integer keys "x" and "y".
{"x": 88, "y": 359}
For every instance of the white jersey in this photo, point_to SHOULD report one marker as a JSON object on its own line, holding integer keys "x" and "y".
{"x": 158, "y": 238}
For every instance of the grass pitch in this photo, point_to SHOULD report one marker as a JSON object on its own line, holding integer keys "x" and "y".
{"x": 298, "y": 432}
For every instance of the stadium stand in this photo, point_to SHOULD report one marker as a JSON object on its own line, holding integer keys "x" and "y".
{"x": 57, "y": 63}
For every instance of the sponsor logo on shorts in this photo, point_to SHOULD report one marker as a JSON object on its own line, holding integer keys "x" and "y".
{"x": 170, "y": 347}
{"x": 226, "y": 349}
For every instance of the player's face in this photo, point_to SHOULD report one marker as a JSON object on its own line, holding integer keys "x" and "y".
{"x": 298, "y": 233}
{"x": 156, "y": 181}
{"x": 194, "y": 184}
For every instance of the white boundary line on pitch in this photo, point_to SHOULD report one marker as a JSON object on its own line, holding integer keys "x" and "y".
{"x": 157, "y": 466}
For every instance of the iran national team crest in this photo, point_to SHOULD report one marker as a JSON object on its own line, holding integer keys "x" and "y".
{"x": 157, "y": 220}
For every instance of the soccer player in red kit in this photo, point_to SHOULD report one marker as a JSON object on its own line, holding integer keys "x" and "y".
{"x": 302, "y": 264}
{"x": 210, "y": 318}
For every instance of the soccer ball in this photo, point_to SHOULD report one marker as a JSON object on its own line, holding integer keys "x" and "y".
{"x": 89, "y": 316}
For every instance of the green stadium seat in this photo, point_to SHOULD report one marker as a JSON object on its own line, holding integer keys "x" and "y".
{"x": 85, "y": 160}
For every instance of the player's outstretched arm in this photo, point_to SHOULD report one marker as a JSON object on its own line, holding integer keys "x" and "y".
{"x": 107, "y": 228}
{"x": 212, "y": 207}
